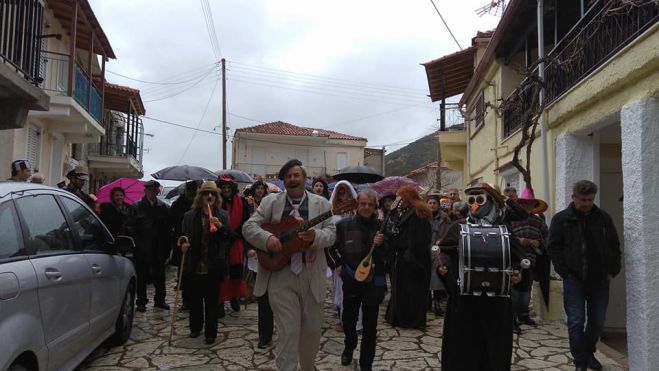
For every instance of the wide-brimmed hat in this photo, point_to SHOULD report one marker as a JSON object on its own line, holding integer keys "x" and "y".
{"x": 539, "y": 207}
{"x": 79, "y": 172}
{"x": 209, "y": 186}
{"x": 496, "y": 195}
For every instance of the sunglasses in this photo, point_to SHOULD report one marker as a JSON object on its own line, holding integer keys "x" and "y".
{"x": 479, "y": 199}
{"x": 208, "y": 193}
{"x": 225, "y": 186}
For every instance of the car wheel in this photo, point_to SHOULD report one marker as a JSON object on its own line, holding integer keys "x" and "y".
{"x": 124, "y": 324}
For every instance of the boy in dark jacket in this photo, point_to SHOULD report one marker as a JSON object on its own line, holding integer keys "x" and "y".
{"x": 584, "y": 247}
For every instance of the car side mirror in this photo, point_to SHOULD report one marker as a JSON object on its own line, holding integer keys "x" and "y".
{"x": 124, "y": 244}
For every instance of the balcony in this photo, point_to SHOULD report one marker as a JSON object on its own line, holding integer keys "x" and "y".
{"x": 520, "y": 106}
{"x": 119, "y": 153}
{"x": 20, "y": 41}
{"x": 595, "y": 39}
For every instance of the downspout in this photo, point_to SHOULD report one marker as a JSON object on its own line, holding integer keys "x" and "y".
{"x": 543, "y": 128}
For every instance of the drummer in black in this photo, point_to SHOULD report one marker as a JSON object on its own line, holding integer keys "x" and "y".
{"x": 477, "y": 329}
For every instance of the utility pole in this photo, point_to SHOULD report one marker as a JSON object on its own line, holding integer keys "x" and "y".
{"x": 224, "y": 115}
{"x": 442, "y": 127}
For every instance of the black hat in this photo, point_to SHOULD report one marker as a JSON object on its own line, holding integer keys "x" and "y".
{"x": 19, "y": 165}
{"x": 152, "y": 183}
{"x": 287, "y": 166}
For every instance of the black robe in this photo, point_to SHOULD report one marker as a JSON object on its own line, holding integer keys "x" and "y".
{"x": 477, "y": 333}
{"x": 410, "y": 273}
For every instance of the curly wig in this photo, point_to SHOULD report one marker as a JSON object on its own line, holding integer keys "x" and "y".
{"x": 410, "y": 194}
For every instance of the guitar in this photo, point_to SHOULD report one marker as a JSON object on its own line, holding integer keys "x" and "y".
{"x": 287, "y": 229}
{"x": 364, "y": 271}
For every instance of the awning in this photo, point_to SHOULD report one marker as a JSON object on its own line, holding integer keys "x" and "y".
{"x": 449, "y": 76}
{"x": 118, "y": 97}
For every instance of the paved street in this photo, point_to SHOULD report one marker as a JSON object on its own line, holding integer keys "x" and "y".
{"x": 541, "y": 348}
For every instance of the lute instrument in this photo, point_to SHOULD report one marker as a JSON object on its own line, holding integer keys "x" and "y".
{"x": 365, "y": 271}
{"x": 286, "y": 231}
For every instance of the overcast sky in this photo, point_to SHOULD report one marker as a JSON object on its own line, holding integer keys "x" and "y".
{"x": 349, "y": 66}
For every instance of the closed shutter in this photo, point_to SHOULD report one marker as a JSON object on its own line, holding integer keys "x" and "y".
{"x": 34, "y": 147}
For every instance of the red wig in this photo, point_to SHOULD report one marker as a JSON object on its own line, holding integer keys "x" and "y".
{"x": 411, "y": 196}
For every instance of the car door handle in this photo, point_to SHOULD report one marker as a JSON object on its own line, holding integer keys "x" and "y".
{"x": 96, "y": 268}
{"x": 53, "y": 274}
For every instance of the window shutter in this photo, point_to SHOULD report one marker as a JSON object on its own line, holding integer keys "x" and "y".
{"x": 34, "y": 147}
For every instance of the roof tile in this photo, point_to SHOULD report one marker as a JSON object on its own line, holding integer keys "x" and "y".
{"x": 284, "y": 128}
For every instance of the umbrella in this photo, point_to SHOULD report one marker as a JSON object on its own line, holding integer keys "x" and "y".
{"x": 358, "y": 174}
{"x": 134, "y": 190}
{"x": 184, "y": 172}
{"x": 238, "y": 175}
{"x": 390, "y": 184}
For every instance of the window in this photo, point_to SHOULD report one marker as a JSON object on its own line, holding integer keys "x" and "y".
{"x": 341, "y": 160}
{"x": 47, "y": 229}
{"x": 479, "y": 110}
{"x": 10, "y": 232}
{"x": 86, "y": 225}
{"x": 34, "y": 146}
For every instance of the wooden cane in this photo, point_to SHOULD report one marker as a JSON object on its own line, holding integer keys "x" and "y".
{"x": 181, "y": 241}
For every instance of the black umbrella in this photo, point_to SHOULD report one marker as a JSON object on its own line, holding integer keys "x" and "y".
{"x": 358, "y": 174}
{"x": 184, "y": 172}
{"x": 238, "y": 175}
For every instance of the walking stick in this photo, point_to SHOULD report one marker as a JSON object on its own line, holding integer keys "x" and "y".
{"x": 181, "y": 240}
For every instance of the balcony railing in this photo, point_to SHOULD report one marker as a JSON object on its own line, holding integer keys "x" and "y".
{"x": 20, "y": 35}
{"x": 518, "y": 105}
{"x": 453, "y": 118}
{"x": 601, "y": 33}
{"x": 122, "y": 138}
{"x": 55, "y": 68}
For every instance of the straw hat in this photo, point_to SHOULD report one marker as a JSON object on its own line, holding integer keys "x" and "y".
{"x": 495, "y": 194}
{"x": 527, "y": 196}
{"x": 209, "y": 186}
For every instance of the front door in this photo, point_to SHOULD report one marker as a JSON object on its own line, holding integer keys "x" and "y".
{"x": 63, "y": 277}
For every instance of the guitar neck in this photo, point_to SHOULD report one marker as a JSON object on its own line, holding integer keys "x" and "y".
{"x": 319, "y": 219}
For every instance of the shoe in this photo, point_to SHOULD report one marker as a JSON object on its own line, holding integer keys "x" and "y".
{"x": 141, "y": 308}
{"x": 161, "y": 305}
{"x": 516, "y": 329}
{"x": 594, "y": 364}
{"x": 366, "y": 368}
{"x": 527, "y": 321}
{"x": 194, "y": 334}
{"x": 220, "y": 311}
{"x": 346, "y": 358}
{"x": 262, "y": 344}
{"x": 235, "y": 305}
{"x": 438, "y": 310}
{"x": 209, "y": 340}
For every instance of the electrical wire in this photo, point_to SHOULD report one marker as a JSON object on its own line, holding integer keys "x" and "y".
{"x": 447, "y": 27}
{"x": 180, "y": 91}
{"x": 166, "y": 81}
{"x": 179, "y": 125}
{"x": 210, "y": 27}
{"x": 210, "y": 98}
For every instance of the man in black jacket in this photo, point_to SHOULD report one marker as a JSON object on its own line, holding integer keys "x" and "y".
{"x": 152, "y": 249}
{"x": 354, "y": 237}
{"x": 584, "y": 247}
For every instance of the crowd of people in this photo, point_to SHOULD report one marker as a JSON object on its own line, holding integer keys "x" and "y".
{"x": 410, "y": 240}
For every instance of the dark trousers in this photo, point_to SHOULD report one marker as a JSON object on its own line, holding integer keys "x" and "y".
{"x": 266, "y": 319}
{"x": 520, "y": 295}
{"x": 584, "y": 304}
{"x": 154, "y": 270}
{"x": 203, "y": 293}
{"x": 351, "y": 304}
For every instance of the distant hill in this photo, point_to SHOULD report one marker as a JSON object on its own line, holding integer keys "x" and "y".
{"x": 412, "y": 156}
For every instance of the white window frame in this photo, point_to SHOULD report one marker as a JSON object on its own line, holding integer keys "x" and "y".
{"x": 33, "y": 151}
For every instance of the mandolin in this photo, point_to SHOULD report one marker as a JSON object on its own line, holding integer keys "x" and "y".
{"x": 287, "y": 229}
{"x": 364, "y": 271}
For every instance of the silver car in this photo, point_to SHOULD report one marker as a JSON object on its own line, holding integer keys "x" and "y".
{"x": 64, "y": 285}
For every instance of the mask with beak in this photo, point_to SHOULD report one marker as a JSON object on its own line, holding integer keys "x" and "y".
{"x": 482, "y": 208}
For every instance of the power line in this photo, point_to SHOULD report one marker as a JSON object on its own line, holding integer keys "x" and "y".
{"x": 179, "y": 92}
{"x": 164, "y": 82}
{"x": 447, "y": 27}
{"x": 210, "y": 27}
{"x": 199, "y": 123}
{"x": 191, "y": 78}
{"x": 180, "y": 125}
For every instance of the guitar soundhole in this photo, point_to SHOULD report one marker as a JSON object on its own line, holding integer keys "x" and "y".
{"x": 365, "y": 264}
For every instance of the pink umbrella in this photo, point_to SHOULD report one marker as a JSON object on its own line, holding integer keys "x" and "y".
{"x": 390, "y": 184}
{"x": 134, "y": 190}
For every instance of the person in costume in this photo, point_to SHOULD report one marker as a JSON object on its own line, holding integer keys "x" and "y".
{"x": 234, "y": 285}
{"x": 410, "y": 269}
{"x": 477, "y": 332}
{"x": 206, "y": 262}
{"x": 440, "y": 224}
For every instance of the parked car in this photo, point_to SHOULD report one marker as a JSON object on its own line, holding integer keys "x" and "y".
{"x": 64, "y": 285}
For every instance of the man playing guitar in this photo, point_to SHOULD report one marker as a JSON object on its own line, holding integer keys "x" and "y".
{"x": 296, "y": 292}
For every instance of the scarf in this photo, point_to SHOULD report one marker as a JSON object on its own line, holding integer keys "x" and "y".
{"x": 235, "y": 210}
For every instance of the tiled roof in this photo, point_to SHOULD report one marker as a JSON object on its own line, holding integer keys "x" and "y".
{"x": 114, "y": 92}
{"x": 284, "y": 128}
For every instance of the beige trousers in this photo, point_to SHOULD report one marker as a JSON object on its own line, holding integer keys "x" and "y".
{"x": 298, "y": 317}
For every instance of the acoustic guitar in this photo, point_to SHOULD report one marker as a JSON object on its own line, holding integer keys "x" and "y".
{"x": 287, "y": 229}
{"x": 364, "y": 271}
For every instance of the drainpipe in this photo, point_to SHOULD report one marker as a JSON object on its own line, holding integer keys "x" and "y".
{"x": 543, "y": 128}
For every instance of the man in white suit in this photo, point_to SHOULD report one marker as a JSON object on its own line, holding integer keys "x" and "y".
{"x": 297, "y": 291}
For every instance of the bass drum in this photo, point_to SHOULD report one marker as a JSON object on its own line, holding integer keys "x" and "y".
{"x": 484, "y": 263}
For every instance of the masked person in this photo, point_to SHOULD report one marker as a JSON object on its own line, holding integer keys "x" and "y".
{"x": 296, "y": 291}
{"x": 207, "y": 258}
{"x": 355, "y": 235}
{"x": 440, "y": 224}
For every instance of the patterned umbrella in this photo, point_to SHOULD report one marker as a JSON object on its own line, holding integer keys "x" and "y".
{"x": 390, "y": 184}
{"x": 134, "y": 190}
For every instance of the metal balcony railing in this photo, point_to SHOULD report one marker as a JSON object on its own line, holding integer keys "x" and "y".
{"x": 20, "y": 35}
{"x": 453, "y": 117}
{"x": 599, "y": 34}
{"x": 54, "y": 69}
{"x": 122, "y": 138}
{"x": 519, "y": 103}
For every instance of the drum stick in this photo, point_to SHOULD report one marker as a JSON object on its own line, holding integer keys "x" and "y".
{"x": 181, "y": 241}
